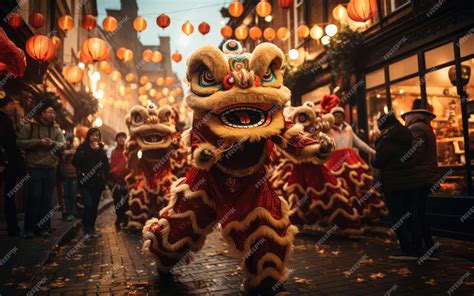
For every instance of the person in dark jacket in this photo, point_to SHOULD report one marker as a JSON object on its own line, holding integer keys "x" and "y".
{"x": 13, "y": 164}
{"x": 92, "y": 168}
{"x": 392, "y": 147}
{"x": 425, "y": 173}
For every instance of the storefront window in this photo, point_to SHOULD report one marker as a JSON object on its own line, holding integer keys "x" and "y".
{"x": 403, "y": 94}
{"x": 375, "y": 78}
{"x": 466, "y": 43}
{"x": 393, "y": 5}
{"x": 442, "y": 96}
{"x": 316, "y": 95}
{"x": 403, "y": 68}
{"x": 439, "y": 55}
{"x": 376, "y": 104}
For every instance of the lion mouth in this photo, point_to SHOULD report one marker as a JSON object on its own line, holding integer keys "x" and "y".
{"x": 153, "y": 138}
{"x": 244, "y": 117}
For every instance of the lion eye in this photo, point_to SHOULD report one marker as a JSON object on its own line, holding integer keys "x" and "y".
{"x": 303, "y": 118}
{"x": 206, "y": 77}
{"x": 138, "y": 118}
{"x": 268, "y": 76}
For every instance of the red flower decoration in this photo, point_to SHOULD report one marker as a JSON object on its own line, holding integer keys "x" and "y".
{"x": 12, "y": 58}
{"x": 328, "y": 102}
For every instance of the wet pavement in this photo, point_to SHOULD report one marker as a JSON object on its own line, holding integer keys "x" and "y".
{"x": 321, "y": 265}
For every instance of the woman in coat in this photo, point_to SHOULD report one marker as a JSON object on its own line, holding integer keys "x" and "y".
{"x": 92, "y": 168}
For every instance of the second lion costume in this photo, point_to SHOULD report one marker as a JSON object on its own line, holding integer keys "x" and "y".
{"x": 237, "y": 98}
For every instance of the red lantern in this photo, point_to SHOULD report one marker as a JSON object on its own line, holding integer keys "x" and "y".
{"x": 144, "y": 80}
{"x": 89, "y": 22}
{"x": 130, "y": 77}
{"x": 95, "y": 48}
{"x": 160, "y": 81}
{"x": 255, "y": 33}
{"x": 66, "y": 23}
{"x": 139, "y": 24}
{"x": 147, "y": 55}
{"x": 56, "y": 41}
{"x": 204, "y": 28}
{"x": 127, "y": 55}
{"x": 285, "y": 4}
{"x": 84, "y": 58}
{"x": 119, "y": 53}
{"x": 105, "y": 66}
{"x": 362, "y": 10}
{"x": 40, "y": 48}
{"x": 226, "y": 31}
{"x": 241, "y": 32}
{"x": 269, "y": 34}
{"x": 163, "y": 21}
{"x": 81, "y": 131}
{"x": 169, "y": 80}
{"x": 187, "y": 28}
{"x": 110, "y": 24}
{"x": 177, "y": 57}
{"x": 264, "y": 8}
{"x": 36, "y": 20}
{"x": 73, "y": 73}
{"x": 15, "y": 21}
{"x": 235, "y": 8}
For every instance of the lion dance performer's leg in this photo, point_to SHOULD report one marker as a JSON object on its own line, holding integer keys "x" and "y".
{"x": 355, "y": 176}
{"x": 182, "y": 226}
{"x": 255, "y": 222}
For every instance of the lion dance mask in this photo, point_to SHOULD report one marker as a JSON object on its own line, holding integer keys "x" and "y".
{"x": 238, "y": 99}
{"x": 154, "y": 154}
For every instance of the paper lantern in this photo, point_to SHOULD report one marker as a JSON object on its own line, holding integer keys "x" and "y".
{"x": 84, "y": 58}
{"x": 302, "y": 31}
{"x": 177, "y": 57}
{"x": 143, "y": 80}
{"x": 15, "y": 21}
{"x": 255, "y": 33}
{"x": 178, "y": 91}
{"x": 73, "y": 73}
{"x": 105, "y": 67}
{"x": 127, "y": 55}
{"x": 40, "y": 48}
{"x": 339, "y": 12}
{"x": 187, "y": 28}
{"x": 141, "y": 90}
{"x": 95, "y": 48}
{"x": 316, "y": 32}
{"x": 119, "y": 53}
{"x": 66, "y": 23}
{"x": 169, "y": 80}
{"x": 158, "y": 95}
{"x": 204, "y": 28}
{"x": 147, "y": 55}
{"x": 264, "y": 8}
{"x": 269, "y": 34}
{"x": 283, "y": 33}
{"x": 157, "y": 57}
{"x": 330, "y": 30}
{"x": 115, "y": 75}
{"x": 139, "y": 24}
{"x": 241, "y": 32}
{"x": 110, "y": 24}
{"x": 148, "y": 86}
{"x": 160, "y": 81}
{"x": 165, "y": 91}
{"x": 163, "y": 21}
{"x": 89, "y": 22}
{"x": 361, "y": 10}
{"x": 325, "y": 40}
{"x": 226, "y": 31}
{"x": 236, "y": 8}
{"x": 130, "y": 77}
{"x": 56, "y": 41}
{"x": 107, "y": 54}
{"x": 36, "y": 20}
{"x": 285, "y": 4}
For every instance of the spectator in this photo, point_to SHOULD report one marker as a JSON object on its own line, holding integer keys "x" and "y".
{"x": 40, "y": 139}
{"x": 392, "y": 147}
{"x": 12, "y": 162}
{"x": 425, "y": 173}
{"x": 118, "y": 173}
{"x": 70, "y": 178}
{"x": 92, "y": 168}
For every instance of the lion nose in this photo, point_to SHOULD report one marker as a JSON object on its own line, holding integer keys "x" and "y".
{"x": 242, "y": 79}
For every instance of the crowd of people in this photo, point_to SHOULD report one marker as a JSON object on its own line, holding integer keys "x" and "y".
{"x": 43, "y": 158}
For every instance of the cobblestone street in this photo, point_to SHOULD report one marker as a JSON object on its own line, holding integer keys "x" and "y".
{"x": 114, "y": 264}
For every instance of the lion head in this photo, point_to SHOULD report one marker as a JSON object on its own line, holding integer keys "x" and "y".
{"x": 240, "y": 94}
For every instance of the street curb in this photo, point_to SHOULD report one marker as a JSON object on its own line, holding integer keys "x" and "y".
{"x": 69, "y": 234}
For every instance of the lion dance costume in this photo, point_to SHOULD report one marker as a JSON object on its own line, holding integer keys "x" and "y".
{"x": 237, "y": 99}
{"x": 351, "y": 169}
{"x": 315, "y": 195}
{"x": 154, "y": 154}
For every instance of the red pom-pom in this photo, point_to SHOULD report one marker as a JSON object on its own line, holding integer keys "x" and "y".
{"x": 328, "y": 102}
